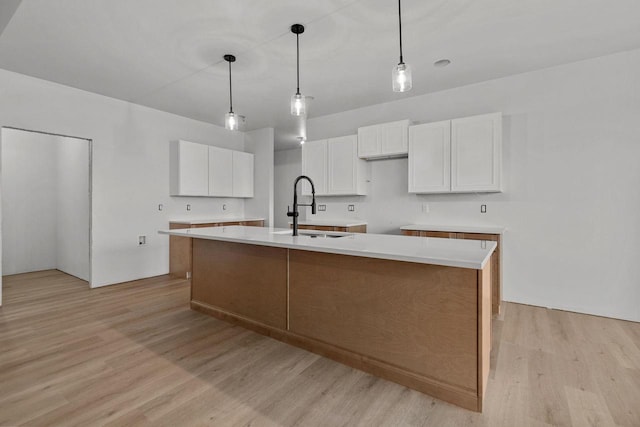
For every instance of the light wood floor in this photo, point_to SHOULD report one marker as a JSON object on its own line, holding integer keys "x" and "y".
{"x": 134, "y": 354}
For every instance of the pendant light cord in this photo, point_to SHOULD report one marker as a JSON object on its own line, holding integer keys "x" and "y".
{"x": 400, "y": 25}
{"x": 230, "y": 92}
{"x": 298, "y": 64}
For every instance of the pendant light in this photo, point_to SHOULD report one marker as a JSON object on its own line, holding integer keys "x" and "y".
{"x": 298, "y": 101}
{"x": 401, "y": 73}
{"x": 231, "y": 118}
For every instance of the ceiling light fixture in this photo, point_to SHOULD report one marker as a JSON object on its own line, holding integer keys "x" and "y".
{"x": 441, "y": 63}
{"x": 231, "y": 119}
{"x": 298, "y": 102}
{"x": 401, "y": 73}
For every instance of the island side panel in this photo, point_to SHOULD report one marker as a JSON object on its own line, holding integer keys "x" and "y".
{"x": 179, "y": 253}
{"x": 421, "y": 318}
{"x": 244, "y": 280}
{"x": 485, "y": 280}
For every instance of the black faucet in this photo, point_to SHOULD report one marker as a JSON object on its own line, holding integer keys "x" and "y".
{"x": 295, "y": 213}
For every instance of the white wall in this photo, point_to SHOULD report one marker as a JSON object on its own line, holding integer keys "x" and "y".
{"x": 571, "y": 200}
{"x": 72, "y": 206}
{"x": 130, "y": 168}
{"x": 260, "y": 143}
{"x": 288, "y": 165}
{"x": 28, "y": 201}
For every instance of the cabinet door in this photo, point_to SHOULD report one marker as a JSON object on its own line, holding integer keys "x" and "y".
{"x": 192, "y": 171}
{"x": 368, "y": 141}
{"x": 476, "y": 151}
{"x": 342, "y": 161}
{"x": 242, "y": 174}
{"x": 314, "y": 165}
{"x": 220, "y": 172}
{"x": 430, "y": 158}
{"x": 393, "y": 137}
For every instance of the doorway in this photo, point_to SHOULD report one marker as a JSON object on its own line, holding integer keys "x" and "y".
{"x": 45, "y": 203}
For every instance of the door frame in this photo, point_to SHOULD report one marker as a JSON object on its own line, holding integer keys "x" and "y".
{"x": 90, "y": 193}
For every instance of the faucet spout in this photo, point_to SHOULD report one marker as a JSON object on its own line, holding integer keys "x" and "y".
{"x": 295, "y": 212}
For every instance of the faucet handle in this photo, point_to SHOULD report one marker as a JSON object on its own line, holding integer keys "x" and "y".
{"x": 289, "y": 213}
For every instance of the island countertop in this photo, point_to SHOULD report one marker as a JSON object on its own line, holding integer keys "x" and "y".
{"x": 447, "y": 252}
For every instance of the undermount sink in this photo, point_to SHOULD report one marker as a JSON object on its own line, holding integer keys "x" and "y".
{"x": 314, "y": 234}
{"x": 322, "y": 235}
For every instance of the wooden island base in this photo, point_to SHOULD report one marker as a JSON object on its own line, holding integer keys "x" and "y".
{"x": 423, "y": 326}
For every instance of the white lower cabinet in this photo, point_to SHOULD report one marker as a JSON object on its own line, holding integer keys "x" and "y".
{"x": 334, "y": 167}
{"x": 456, "y": 156}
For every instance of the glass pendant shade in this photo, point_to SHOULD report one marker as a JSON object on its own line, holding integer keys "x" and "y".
{"x": 401, "y": 76}
{"x": 231, "y": 121}
{"x": 298, "y": 105}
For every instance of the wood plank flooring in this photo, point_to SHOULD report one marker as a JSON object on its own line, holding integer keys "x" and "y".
{"x": 135, "y": 354}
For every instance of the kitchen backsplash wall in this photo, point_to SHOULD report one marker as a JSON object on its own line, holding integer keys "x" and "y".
{"x": 570, "y": 200}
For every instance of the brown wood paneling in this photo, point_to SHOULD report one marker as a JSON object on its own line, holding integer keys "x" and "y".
{"x": 259, "y": 223}
{"x": 357, "y": 229}
{"x": 438, "y": 234}
{"x": 496, "y": 258}
{"x": 420, "y": 317}
{"x": 179, "y": 253}
{"x": 245, "y": 280}
{"x": 484, "y": 331}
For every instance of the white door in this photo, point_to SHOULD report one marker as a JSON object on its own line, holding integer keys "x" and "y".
{"x": 193, "y": 169}
{"x": 430, "y": 158}
{"x": 476, "y": 151}
{"x": 220, "y": 172}
{"x": 394, "y": 137}
{"x": 368, "y": 141}
{"x": 314, "y": 165}
{"x": 341, "y": 159}
{"x": 242, "y": 174}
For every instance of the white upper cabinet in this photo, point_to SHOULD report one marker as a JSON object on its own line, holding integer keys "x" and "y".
{"x": 456, "y": 156}
{"x": 203, "y": 170}
{"x": 189, "y": 169}
{"x": 476, "y": 153}
{"x": 430, "y": 158}
{"x": 242, "y": 174}
{"x": 220, "y": 172}
{"x": 345, "y": 169}
{"x": 334, "y": 167}
{"x": 314, "y": 165}
{"x": 383, "y": 140}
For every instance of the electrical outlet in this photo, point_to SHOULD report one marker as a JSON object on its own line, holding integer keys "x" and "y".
{"x": 160, "y": 207}
{"x": 188, "y": 207}
{"x": 483, "y": 208}
{"x": 224, "y": 207}
{"x": 142, "y": 240}
{"x": 322, "y": 208}
{"x": 351, "y": 208}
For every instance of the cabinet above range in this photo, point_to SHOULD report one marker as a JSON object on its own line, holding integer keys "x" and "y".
{"x": 207, "y": 171}
{"x": 385, "y": 140}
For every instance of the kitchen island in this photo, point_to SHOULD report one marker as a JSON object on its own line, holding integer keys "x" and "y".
{"x": 414, "y": 311}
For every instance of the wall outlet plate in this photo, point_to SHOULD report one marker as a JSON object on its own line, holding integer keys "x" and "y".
{"x": 160, "y": 207}
{"x": 188, "y": 207}
{"x": 351, "y": 208}
{"x": 142, "y": 240}
{"x": 322, "y": 208}
{"x": 483, "y": 208}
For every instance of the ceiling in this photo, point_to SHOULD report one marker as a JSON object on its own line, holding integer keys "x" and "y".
{"x": 167, "y": 54}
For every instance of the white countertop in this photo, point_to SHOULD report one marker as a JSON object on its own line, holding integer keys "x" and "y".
{"x": 194, "y": 221}
{"x": 448, "y": 252}
{"x": 332, "y": 222}
{"x": 486, "y": 229}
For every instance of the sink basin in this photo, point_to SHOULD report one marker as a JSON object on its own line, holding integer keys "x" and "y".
{"x": 322, "y": 235}
{"x": 314, "y": 234}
